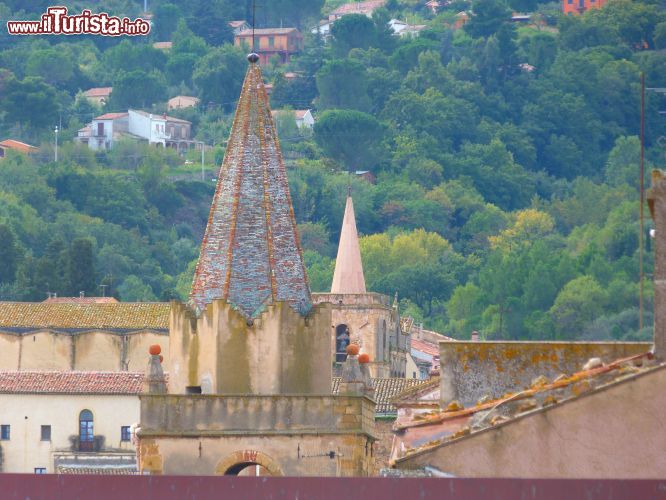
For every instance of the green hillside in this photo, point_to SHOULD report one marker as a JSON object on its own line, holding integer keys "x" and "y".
{"x": 505, "y": 156}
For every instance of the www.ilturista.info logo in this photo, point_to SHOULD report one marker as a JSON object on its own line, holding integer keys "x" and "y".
{"x": 56, "y": 22}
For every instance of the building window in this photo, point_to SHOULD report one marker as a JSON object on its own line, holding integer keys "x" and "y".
{"x": 40, "y": 470}
{"x": 271, "y": 42}
{"x": 4, "y": 432}
{"x": 46, "y": 433}
{"x": 125, "y": 434}
{"x": 86, "y": 432}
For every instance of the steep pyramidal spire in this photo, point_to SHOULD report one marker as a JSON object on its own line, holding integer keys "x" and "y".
{"x": 250, "y": 254}
{"x": 348, "y": 276}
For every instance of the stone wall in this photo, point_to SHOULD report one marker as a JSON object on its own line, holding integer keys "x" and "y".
{"x": 99, "y": 350}
{"x": 472, "y": 370}
{"x": 288, "y": 435}
{"x": 279, "y": 352}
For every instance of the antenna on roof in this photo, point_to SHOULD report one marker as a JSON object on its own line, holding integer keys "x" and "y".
{"x": 254, "y": 20}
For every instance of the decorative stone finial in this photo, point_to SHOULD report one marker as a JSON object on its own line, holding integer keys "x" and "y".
{"x": 253, "y": 57}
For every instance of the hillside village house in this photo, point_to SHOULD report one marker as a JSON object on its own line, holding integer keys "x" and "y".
{"x": 576, "y": 7}
{"x": 365, "y": 8}
{"x": 161, "y": 130}
{"x": 303, "y": 117}
{"x": 18, "y": 146}
{"x": 269, "y": 42}
{"x": 238, "y": 26}
{"x": 182, "y": 101}
{"x": 98, "y": 95}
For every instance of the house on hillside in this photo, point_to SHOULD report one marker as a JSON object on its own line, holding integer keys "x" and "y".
{"x": 269, "y": 42}
{"x": 182, "y": 101}
{"x": 98, "y": 95}
{"x": 165, "y": 46}
{"x": 576, "y": 7}
{"x": 18, "y": 146}
{"x": 238, "y": 26}
{"x": 103, "y": 131}
{"x": 365, "y": 8}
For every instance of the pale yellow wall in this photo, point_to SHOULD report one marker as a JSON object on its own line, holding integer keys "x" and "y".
{"x": 95, "y": 350}
{"x": 26, "y": 413}
{"x": 10, "y": 349}
{"x": 279, "y": 352}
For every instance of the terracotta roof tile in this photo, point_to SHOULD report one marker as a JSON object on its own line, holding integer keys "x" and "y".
{"x": 267, "y": 31}
{"x": 358, "y": 7}
{"x": 121, "y": 315}
{"x": 110, "y": 116}
{"x": 17, "y": 145}
{"x": 81, "y": 300}
{"x": 98, "y": 92}
{"x": 385, "y": 390}
{"x": 30, "y": 382}
{"x": 425, "y": 347}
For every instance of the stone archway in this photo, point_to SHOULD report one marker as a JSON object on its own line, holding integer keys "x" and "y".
{"x": 239, "y": 460}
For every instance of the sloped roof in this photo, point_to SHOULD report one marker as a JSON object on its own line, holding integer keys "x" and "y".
{"x": 267, "y": 31}
{"x": 110, "y": 116}
{"x": 386, "y": 389}
{"x": 121, "y": 315}
{"x": 423, "y": 432}
{"x": 34, "y": 382}
{"x": 98, "y": 92}
{"x": 358, "y": 7}
{"x": 251, "y": 255}
{"x": 425, "y": 347}
{"x": 17, "y": 146}
{"x": 81, "y": 300}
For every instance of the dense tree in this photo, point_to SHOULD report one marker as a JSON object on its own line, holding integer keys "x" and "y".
{"x": 9, "y": 254}
{"x": 350, "y": 136}
{"x": 219, "y": 75}
{"x": 81, "y": 268}
{"x": 342, "y": 83}
{"x": 30, "y": 101}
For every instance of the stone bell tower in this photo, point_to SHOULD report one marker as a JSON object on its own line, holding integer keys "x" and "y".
{"x": 250, "y": 326}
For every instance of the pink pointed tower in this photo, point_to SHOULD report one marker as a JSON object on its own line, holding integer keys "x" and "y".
{"x": 348, "y": 276}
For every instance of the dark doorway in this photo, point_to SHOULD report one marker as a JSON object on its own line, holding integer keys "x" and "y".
{"x": 247, "y": 469}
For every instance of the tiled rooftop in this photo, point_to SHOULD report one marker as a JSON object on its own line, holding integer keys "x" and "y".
{"x": 267, "y": 31}
{"x": 358, "y": 7}
{"x": 425, "y": 347}
{"x": 385, "y": 390}
{"x": 29, "y": 382}
{"x": 81, "y": 300}
{"x": 250, "y": 254}
{"x": 121, "y": 315}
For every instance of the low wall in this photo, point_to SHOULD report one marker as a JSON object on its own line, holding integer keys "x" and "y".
{"x": 472, "y": 370}
{"x": 211, "y": 414}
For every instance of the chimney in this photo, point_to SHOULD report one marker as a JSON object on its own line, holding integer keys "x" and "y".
{"x": 475, "y": 336}
{"x": 82, "y": 294}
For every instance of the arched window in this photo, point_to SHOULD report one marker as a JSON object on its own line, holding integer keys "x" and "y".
{"x": 86, "y": 431}
{"x": 341, "y": 343}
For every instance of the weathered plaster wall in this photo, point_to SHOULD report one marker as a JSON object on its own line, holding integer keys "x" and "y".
{"x": 26, "y": 413}
{"x": 99, "y": 350}
{"x": 193, "y": 434}
{"x": 382, "y": 449}
{"x": 280, "y": 352}
{"x": 472, "y": 370}
{"x": 612, "y": 433}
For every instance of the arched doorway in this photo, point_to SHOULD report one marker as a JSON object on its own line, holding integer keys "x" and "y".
{"x": 342, "y": 339}
{"x": 248, "y": 463}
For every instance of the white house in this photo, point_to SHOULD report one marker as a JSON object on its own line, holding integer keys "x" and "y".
{"x": 64, "y": 422}
{"x": 148, "y": 126}
{"x": 397, "y": 26}
{"x": 104, "y": 130}
{"x": 304, "y": 118}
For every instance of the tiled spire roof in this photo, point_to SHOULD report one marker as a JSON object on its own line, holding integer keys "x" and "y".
{"x": 348, "y": 276}
{"x": 250, "y": 254}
